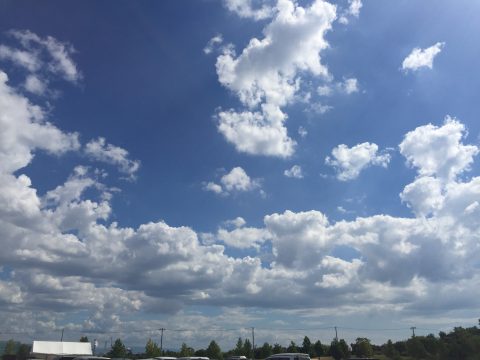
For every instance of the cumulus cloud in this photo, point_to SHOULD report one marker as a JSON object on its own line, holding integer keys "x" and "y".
{"x": 237, "y": 180}
{"x": 438, "y": 151}
{"x": 243, "y": 237}
{"x": 419, "y": 58}
{"x": 253, "y": 133}
{"x": 294, "y": 172}
{"x": 26, "y": 129}
{"x": 100, "y": 150}
{"x": 349, "y": 162}
{"x": 267, "y": 74}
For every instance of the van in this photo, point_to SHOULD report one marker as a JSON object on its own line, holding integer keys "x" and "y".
{"x": 289, "y": 356}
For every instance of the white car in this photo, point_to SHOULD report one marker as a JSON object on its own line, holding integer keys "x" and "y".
{"x": 289, "y": 356}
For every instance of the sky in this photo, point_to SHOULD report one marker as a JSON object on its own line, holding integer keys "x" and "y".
{"x": 212, "y": 166}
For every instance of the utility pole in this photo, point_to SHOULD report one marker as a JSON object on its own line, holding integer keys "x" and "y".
{"x": 253, "y": 343}
{"x": 413, "y": 331}
{"x": 61, "y": 339}
{"x": 161, "y": 341}
{"x": 336, "y": 334}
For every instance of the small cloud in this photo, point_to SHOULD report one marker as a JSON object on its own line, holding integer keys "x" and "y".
{"x": 353, "y": 10}
{"x": 302, "y": 131}
{"x": 34, "y": 85}
{"x": 210, "y": 186}
{"x": 350, "y": 86}
{"x": 349, "y": 162}
{"x": 212, "y": 43}
{"x": 294, "y": 172}
{"x": 347, "y": 86}
{"x": 319, "y": 108}
{"x": 244, "y": 9}
{"x": 419, "y": 58}
{"x": 237, "y": 222}
{"x": 102, "y": 151}
{"x": 235, "y": 181}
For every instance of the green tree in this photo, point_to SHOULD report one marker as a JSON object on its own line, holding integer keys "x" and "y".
{"x": 239, "y": 347}
{"x": 214, "y": 351}
{"x": 292, "y": 348}
{"x": 10, "y": 347}
{"x": 84, "y": 339}
{"x": 339, "y": 349}
{"x": 265, "y": 350}
{"x": 118, "y": 350}
{"x": 247, "y": 348}
{"x": 186, "y": 351}
{"x": 307, "y": 346}
{"x": 362, "y": 347}
{"x": 277, "y": 349}
{"x": 318, "y": 348}
{"x": 415, "y": 348}
{"x": 389, "y": 350}
{"x": 152, "y": 349}
{"x": 23, "y": 352}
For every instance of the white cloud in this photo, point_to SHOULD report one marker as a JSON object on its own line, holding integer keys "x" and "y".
{"x": 244, "y": 237}
{"x": 267, "y": 74}
{"x": 438, "y": 151}
{"x": 349, "y": 162}
{"x": 253, "y": 133}
{"x": 302, "y": 131}
{"x": 419, "y": 58}
{"x": 25, "y": 129}
{"x": 237, "y": 222}
{"x": 355, "y": 6}
{"x": 424, "y": 195}
{"x": 35, "y": 85}
{"x": 353, "y": 10}
{"x": 210, "y": 186}
{"x": 348, "y": 86}
{"x": 100, "y": 150}
{"x": 294, "y": 172}
{"x": 245, "y": 9}
{"x": 26, "y": 59}
{"x": 237, "y": 180}
{"x": 212, "y": 43}
{"x": 60, "y": 61}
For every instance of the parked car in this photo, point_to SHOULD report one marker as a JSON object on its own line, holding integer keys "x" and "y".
{"x": 289, "y": 356}
{"x": 235, "y": 357}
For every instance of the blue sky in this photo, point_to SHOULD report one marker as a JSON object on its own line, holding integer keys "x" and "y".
{"x": 237, "y": 163}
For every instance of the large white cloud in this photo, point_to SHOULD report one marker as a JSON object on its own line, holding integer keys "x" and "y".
{"x": 267, "y": 73}
{"x": 349, "y": 162}
{"x": 438, "y": 151}
{"x": 25, "y": 129}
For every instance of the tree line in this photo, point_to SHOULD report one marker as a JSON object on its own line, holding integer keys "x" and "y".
{"x": 460, "y": 343}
